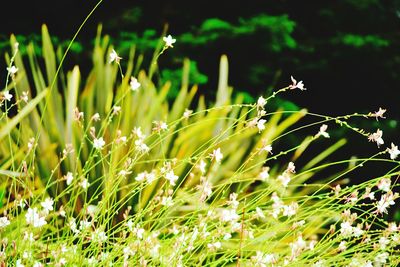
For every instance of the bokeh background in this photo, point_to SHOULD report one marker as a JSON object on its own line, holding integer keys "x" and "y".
{"x": 346, "y": 52}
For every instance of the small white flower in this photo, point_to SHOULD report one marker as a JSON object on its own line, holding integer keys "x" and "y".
{"x": 261, "y": 102}
{"x": 84, "y": 184}
{"x": 98, "y": 143}
{"x": 12, "y": 70}
{"x": 378, "y": 114}
{"x": 261, "y": 125}
{"x": 202, "y": 166}
{"x": 134, "y": 84}
{"x": 7, "y": 95}
{"x": 25, "y": 96}
{"x": 4, "y": 222}
{"x": 296, "y": 84}
{"x": 322, "y": 131}
{"x": 291, "y": 168}
{"x": 260, "y": 213}
{"x": 264, "y": 174}
{"x": 18, "y": 263}
{"x": 187, "y": 113}
{"x": 169, "y": 41}
{"x": 376, "y": 137}
{"x": 47, "y": 204}
{"x": 69, "y": 177}
{"x": 393, "y": 151}
{"x": 114, "y": 57}
{"x": 217, "y": 155}
{"x": 32, "y": 217}
{"x": 171, "y": 177}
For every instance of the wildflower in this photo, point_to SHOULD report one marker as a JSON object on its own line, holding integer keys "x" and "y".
{"x": 217, "y": 155}
{"x": 187, "y": 113}
{"x": 205, "y": 188}
{"x": 99, "y": 236}
{"x": 18, "y": 263}
{"x": 381, "y": 259}
{"x": 260, "y": 213}
{"x": 229, "y": 215}
{"x": 69, "y": 177}
{"x": 386, "y": 201}
{"x": 261, "y": 102}
{"x": 98, "y": 143}
{"x": 84, "y": 184}
{"x": 141, "y": 147}
{"x": 25, "y": 97}
{"x": 160, "y": 126}
{"x": 261, "y": 259}
{"x": 4, "y": 222}
{"x": 378, "y": 114}
{"x": 169, "y": 41}
{"x": 134, "y": 84}
{"x": 32, "y": 217}
{"x": 383, "y": 242}
{"x": 214, "y": 246}
{"x": 96, "y": 117}
{"x": 47, "y": 204}
{"x": 7, "y": 96}
{"x": 376, "y": 137}
{"x": 260, "y": 125}
{"x": 290, "y": 210}
{"x": 296, "y": 84}
{"x": 267, "y": 148}
{"x": 393, "y": 151}
{"x": 264, "y": 174}
{"x": 202, "y": 166}
{"x": 114, "y": 57}
{"x": 346, "y": 229}
{"x": 116, "y": 110}
{"x": 78, "y": 116}
{"x": 291, "y": 168}
{"x": 369, "y": 194}
{"x": 322, "y": 131}
{"x": 167, "y": 201}
{"x": 384, "y": 184}
{"x": 171, "y": 177}
{"x": 342, "y": 246}
{"x": 12, "y": 70}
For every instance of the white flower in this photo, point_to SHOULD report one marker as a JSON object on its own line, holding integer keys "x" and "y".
{"x": 393, "y": 151}
{"x": 384, "y": 184}
{"x": 18, "y": 263}
{"x": 264, "y": 174}
{"x": 187, "y": 113}
{"x": 260, "y": 125}
{"x": 290, "y": 210}
{"x": 261, "y": 102}
{"x": 169, "y": 41}
{"x": 7, "y": 95}
{"x": 322, "y": 131}
{"x": 32, "y": 217}
{"x": 346, "y": 229}
{"x": 229, "y": 215}
{"x": 69, "y": 177}
{"x": 98, "y": 143}
{"x": 99, "y": 236}
{"x": 12, "y": 70}
{"x": 202, "y": 166}
{"x": 217, "y": 155}
{"x": 84, "y": 184}
{"x": 296, "y": 84}
{"x": 171, "y": 177}
{"x": 25, "y": 96}
{"x": 134, "y": 84}
{"x": 114, "y": 57}
{"x": 284, "y": 179}
{"x": 4, "y": 222}
{"x": 47, "y": 204}
{"x": 378, "y": 114}
{"x": 260, "y": 213}
{"x": 376, "y": 137}
{"x": 291, "y": 167}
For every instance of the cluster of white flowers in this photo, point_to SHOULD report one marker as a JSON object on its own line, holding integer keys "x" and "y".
{"x": 140, "y": 145}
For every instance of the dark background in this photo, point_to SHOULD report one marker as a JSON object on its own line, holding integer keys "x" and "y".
{"x": 346, "y": 52}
